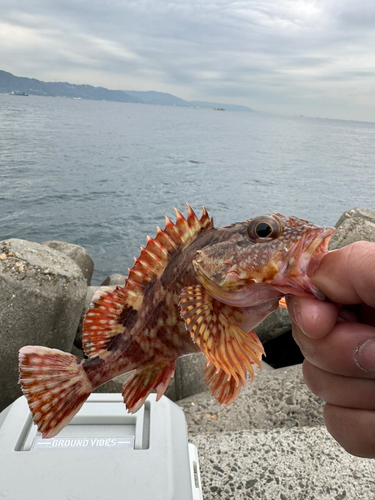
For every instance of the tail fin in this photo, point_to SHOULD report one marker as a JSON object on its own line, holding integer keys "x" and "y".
{"x": 55, "y": 385}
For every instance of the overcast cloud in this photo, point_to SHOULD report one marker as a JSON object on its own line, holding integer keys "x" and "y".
{"x": 315, "y": 58}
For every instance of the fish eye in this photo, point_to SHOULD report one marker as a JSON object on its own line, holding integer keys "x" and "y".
{"x": 264, "y": 229}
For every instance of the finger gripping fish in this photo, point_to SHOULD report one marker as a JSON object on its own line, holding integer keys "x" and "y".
{"x": 194, "y": 287}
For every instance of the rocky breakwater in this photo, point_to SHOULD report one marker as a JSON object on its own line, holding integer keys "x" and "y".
{"x": 76, "y": 253}
{"x": 42, "y": 293}
{"x": 271, "y": 443}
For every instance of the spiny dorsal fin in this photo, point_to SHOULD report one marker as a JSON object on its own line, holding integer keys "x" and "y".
{"x": 107, "y": 314}
{"x": 155, "y": 256}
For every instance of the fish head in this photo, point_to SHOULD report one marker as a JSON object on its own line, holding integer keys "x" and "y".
{"x": 262, "y": 258}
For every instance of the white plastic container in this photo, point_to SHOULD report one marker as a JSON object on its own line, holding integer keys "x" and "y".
{"x": 103, "y": 454}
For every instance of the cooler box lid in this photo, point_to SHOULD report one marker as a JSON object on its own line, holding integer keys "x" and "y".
{"x": 104, "y": 453}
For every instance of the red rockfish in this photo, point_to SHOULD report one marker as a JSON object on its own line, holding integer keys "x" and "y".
{"x": 194, "y": 287}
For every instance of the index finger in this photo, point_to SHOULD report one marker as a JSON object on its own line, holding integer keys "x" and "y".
{"x": 347, "y": 275}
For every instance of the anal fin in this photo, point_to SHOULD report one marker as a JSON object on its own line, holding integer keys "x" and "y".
{"x": 138, "y": 387}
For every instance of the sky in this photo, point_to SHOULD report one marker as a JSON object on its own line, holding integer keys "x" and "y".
{"x": 290, "y": 57}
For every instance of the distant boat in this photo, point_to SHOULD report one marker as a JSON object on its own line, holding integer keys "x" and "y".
{"x": 76, "y": 98}
{"x": 219, "y": 109}
{"x": 17, "y": 92}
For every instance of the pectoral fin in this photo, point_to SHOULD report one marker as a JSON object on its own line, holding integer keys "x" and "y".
{"x": 214, "y": 327}
{"x": 224, "y": 390}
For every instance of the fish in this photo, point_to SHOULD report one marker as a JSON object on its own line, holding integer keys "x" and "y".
{"x": 193, "y": 288}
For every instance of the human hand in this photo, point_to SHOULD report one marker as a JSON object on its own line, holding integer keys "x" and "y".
{"x": 338, "y": 343}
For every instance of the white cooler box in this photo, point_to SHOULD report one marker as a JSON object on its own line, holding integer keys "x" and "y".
{"x": 103, "y": 454}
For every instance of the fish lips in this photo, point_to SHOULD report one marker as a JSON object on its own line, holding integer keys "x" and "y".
{"x": 305, "y": 256}
{"x": 302, "y": 261}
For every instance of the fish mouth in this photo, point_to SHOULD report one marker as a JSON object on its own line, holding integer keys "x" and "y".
{"x": 244, "y": 296}
{"x": 305, "y": 256}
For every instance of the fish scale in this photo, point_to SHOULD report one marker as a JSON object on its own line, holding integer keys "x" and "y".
{"x": 194, "y": 287}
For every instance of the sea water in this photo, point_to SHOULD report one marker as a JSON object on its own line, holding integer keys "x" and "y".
{"x": 104, "y": 174}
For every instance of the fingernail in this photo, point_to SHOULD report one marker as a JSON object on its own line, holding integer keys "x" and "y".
{"x": 364, "y": 356}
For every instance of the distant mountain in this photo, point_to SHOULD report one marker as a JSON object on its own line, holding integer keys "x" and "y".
{"x": 160, "y": 98}
{"x": 9, "y": 83}
{"x": 31, "y": 86}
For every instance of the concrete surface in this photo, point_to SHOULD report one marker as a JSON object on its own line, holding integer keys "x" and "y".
{"x": 115, "y": 279}
{"x": 271, "y": 444}
{"x": 77, "y": 253}
{"x": 276, "y": 399}
{"x": 354, "y": 225}
{"x": 42, "y": 292}
{"x": 281, "y": 464}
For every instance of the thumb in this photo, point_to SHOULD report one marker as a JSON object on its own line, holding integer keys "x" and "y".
{"x": 347, "y": 276}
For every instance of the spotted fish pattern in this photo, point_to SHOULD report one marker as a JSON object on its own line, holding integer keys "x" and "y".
{"x": 193, "y": 288}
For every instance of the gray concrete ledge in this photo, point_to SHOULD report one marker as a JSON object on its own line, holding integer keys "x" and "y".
{"x": 276, "y": 399}
{"x": 281, "y": 464}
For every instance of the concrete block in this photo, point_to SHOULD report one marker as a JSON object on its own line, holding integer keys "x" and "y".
{"x": 42, "y": 293}
{"x": 79, "y": 254}
{"x": 357, "y": 224}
